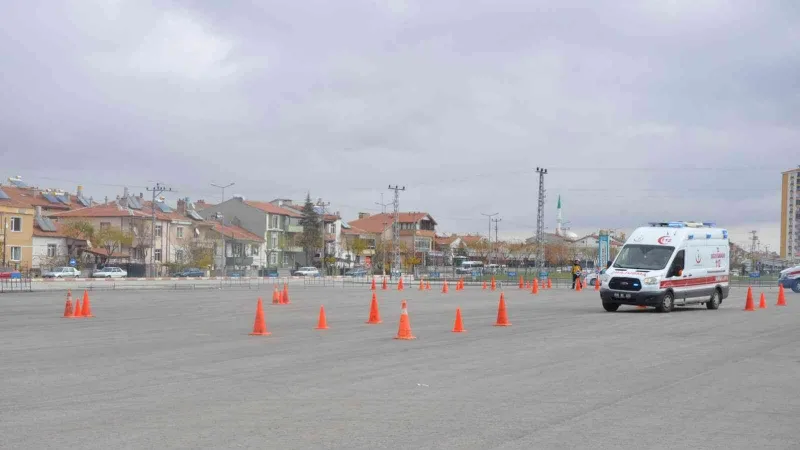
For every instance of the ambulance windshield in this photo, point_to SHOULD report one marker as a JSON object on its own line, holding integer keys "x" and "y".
{"x": 647, "y": 257}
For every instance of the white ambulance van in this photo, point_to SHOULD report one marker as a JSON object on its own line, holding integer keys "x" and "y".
{"x": 668, "y": 264}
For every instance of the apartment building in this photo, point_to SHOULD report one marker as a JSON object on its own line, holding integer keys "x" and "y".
{"x": 417, "y": 231}
{"x": 790, "y": 215}
{"x": 275, "y": 225}
{"x": 16, "y": 232}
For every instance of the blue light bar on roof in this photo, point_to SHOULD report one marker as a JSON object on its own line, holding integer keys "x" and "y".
{"x": 676, "y": 225}
{"x": 724, "y": 234}
{"x": 709, "y": 224}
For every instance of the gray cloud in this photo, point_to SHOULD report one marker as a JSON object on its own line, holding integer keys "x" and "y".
{"x": 625, "y": 103}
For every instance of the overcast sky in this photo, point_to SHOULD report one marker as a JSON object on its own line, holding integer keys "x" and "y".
{"x": 650, "y": 110}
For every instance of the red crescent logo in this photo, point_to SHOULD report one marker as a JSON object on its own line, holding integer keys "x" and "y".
{"x": 664, "y": 240}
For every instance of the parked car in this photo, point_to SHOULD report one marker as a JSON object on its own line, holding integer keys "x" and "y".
{"x": 356, "y": 273}
{"x": 307, "y": 272}
{"x": 190, "y": 273}
{"x": 110, "y": 272}
{"x": 62, "y": 272}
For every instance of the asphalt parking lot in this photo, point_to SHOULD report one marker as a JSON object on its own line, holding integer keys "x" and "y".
{"x": 177, "y": 369}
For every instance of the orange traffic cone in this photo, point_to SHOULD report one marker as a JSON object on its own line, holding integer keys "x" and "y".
{"x": 68, "y": 305}
{"x": 373, "y": 287}
{"x": 762, "y": 303}
{"x": 400, "y": 286}
{"x": 494, "y": 283}
{"x": 502, "y": 315}
{"x": 484, "y": 285}
{"x": 781, "y": 296}
{"x": 404, "y": 330}
{"x": 535, "y": 288}
{"x": 549, "y": 284}
{"x": 597, "y": 284}
{"x": 76, "y": 313}
{"x": 285, "y": 295}
{"x": 260, "y": 325}
{"x": 642, "y": 307}
{"x": 458, "y": 326}
{"x": 384, "y": 286}
{"x": 521, "y": 283}
{"x": 322, "y": 323}
{"x": 374, "y": 313}
{"x": 445, "y": 289}
{"x": 578, "y": 285}
{"x": 86, "y": 309}
{"x": 748, "y": 306}
{"x": 421, "y": 285}
{"x": 428, "y": 286}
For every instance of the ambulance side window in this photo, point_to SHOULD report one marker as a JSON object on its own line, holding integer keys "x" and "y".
{"x": 677, "y": 265}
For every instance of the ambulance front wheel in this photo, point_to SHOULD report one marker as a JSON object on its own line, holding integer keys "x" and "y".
{"x": 796, "y": 286}
{"x": 667, "y": 303}
{"x": 610, "y": 306}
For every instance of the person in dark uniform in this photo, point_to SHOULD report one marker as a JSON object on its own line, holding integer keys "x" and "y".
{"x": 576, "y": 272}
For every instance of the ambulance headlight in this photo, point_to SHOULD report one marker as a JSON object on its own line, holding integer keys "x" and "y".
{"x": 604, "y": 277}
{"x": 651, "y": 280}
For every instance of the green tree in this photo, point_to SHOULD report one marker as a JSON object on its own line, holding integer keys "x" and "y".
{"x": 358, "y": 246}
{"x": 112, "y": 239}
{"x": 79, "y": 229}
{"x": 311, "y": 237}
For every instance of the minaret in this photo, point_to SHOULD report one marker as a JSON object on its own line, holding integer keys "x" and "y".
{"x": 559, "y": 219}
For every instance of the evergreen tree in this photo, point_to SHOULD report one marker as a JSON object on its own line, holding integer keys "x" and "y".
{"x": 311, "y": 238}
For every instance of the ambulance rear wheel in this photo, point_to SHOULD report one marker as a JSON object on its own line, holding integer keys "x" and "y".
{"x": 713, "y": 302}
{"x": 667, "y": 303}
{"x": 610, "y": 306}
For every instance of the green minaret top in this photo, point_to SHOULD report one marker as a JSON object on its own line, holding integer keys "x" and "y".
{"x": 559, "y": 201}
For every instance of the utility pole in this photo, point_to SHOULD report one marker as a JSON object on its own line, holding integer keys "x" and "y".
{"x": 223, "y": 189}
{"x": 383, "y": 249}
{"x": 753, "y": 249}
{"x": 496, "y": 239}
{"x": 157, "y": 190}
{"x": 396, "y": 262}
{"x": 322, "y": 204}
{"x": 5, "y": 227}
{"x": 540, "y": 222}
{"x": 489, "y": 236}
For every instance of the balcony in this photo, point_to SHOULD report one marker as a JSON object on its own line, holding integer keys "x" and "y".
{"x": 294, "y": 229}
{"x": 294, "y": 249}
{"x": 239, "y": 261}
{"x": 330, "y": 237}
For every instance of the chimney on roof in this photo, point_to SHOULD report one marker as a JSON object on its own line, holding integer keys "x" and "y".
{"x": 79, "y": 192}
{"x": 106, "y": 202}
{"x": 141, "y": 195}
{"x": 363, "y": 215}
{"x": 239, "y": 197}
{"x": 124, "y": 193}
{"x": 38, "y": 211}
{"x": 181, "y": 206}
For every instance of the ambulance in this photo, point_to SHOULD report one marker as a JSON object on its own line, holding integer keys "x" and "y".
{"x": 669, "y": 264}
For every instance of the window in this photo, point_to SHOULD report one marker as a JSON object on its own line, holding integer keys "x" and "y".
{"x": 254, "y": 250}
{"x": 274, "y": 239}
{"x": 105, "y": 225}
{"x": 158, "y": 230}
{"x": 16, "y": 224}
{"x": 16, "y": 253}
{"x": 51, "y": 250}
{"x": 273, "y": 258}
{"x": 179, "y": 232}
{"x": 157, "y": 254}
{"x": 274, "y": 221}
{"x": 178, "y": 255}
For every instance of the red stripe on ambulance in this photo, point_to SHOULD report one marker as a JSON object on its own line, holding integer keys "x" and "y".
{"x": 690, "y": 282}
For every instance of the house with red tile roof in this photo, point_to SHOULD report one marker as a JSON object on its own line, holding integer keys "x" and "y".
{"x": 52, "y": 245}
{"x": 417, "y": 230}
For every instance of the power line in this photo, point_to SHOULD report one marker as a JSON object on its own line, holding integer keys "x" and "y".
{"x": 223, "y": 189}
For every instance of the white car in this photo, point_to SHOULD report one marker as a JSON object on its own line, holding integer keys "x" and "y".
{"x": 110, "y": 272}
{"x": 592, "y": 277}
{"x": 307, "y": 272}
{"x": 62, "y": 272}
